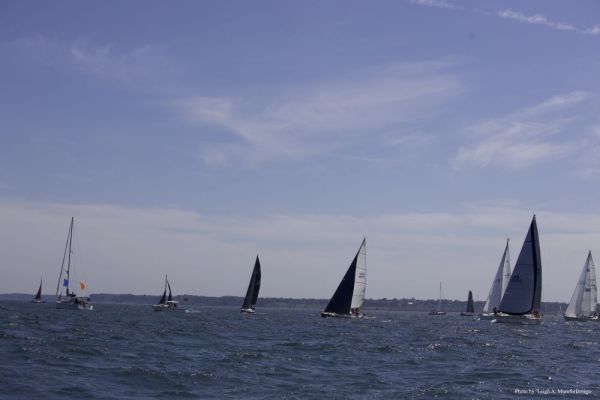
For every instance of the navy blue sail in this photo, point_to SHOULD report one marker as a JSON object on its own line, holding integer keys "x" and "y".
{"x": 524, "y": 291}
{"x": 470, "y": 305}
{"x": 253, "y": 288}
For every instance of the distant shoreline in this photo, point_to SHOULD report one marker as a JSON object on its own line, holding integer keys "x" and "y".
{"x": 281, "y": 302}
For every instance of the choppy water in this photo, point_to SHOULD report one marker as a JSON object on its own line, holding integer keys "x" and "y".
{"x": 129, "y": 352}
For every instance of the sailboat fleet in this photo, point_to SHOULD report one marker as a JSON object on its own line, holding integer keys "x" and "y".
{"x": 514, "y": 297}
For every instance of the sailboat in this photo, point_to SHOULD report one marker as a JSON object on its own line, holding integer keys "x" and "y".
{"x": 167, "y": 303}
{"x": 523, "y": 296}
{"x": 70, "y": 300}
{"x": 253, "y": 287}
{"x": 38, "y": 295}
{"x": 439, "y": 307}
{"x": 498, "y": 288}
{"x": 470, "y": 307}
{"x": 582, "y": 306}
{"x": 349, "y": 295}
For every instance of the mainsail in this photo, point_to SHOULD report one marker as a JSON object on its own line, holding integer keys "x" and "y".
{"x": 470, "y": 305}
{"x": 499, "y": 284}
{"x": 253, "y": 287}
{"x": 524, "y": 291}
{"x": 584, "y": 299}
{"x": 350, "y": 293}
{"x": 38, "y": 295}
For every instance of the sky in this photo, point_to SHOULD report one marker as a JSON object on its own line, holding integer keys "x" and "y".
{"x": 187, "y": 137}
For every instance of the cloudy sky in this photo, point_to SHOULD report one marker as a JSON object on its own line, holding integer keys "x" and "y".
{"x": 187, "y": 137}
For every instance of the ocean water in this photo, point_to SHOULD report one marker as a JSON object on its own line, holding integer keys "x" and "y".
{"x": 132, "y": 352}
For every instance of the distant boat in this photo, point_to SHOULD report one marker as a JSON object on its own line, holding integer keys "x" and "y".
{"x": 70, "y": 300}
{"x": 523, "y": 297}
{"x": 470, "y": 307}
{"x": 582, "y": 306}
{"x": 439, "y": 307}
{"x": 348, "y": 298}
{"x": 38, "y": 295}
{"x": 167, "y": 303}
{"x": 498, "y": 286}
{"x": 253, "y": 288}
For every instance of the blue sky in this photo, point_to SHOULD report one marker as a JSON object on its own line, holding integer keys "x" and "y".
{"x": 186, "y": 137}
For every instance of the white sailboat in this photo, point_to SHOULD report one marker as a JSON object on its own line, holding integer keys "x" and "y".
{"x": 498, "y": 288}
{"x": 582, "y": 306}
{"x": 348, "y": 297}
{"x": 167, "y": 303}
{"x": 439, "y": 307}
{"x": 523, "y": 296}
{"x": 69, "y": 298}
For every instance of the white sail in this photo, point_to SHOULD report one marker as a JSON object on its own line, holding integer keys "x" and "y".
{"x": 360, "y": 277}
{"x": 499, "y": 283}
{"x": 584, "y": 298}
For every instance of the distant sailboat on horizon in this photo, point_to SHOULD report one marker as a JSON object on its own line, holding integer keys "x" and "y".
{"x": 38, "y": 296}
{"x": 499, "y": 285}
{"x": 70, "y": 300}
{"x": 523, "y": 296}
{"x": 439, "y": 307}
{"x": 350, "y": 293}
{"x": 167, "y": 303}
{"x": 470, "y": 307}
{"x": 249, "y": 304}
{"x": 582, "y": 306}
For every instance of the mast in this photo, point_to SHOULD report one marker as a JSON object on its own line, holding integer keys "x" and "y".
{"x": 62, "y": 264}
{"x": 69, "y": 260}
{"x": 440, "y": 299}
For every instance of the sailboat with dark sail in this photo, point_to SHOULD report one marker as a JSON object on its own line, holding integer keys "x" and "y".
{"x": 582, "y": 306}
{"x": 70, "y": 299}
{"x": 439, "y": 310}
{"x": 253, "y": 288}
{"x": 523, "y": 297}
{"x": 38, "y": 296}
{"x": 349, "y": 295}
{"x": 498, "y": 287}
{"x": 470, "y": 307}
{"x": 166, "y": 303}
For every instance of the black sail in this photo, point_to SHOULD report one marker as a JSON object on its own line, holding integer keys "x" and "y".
{"x": 163, "y": 299}
{"x": 341, "y": 301}
{"x": 470, "y": 305}
{"x": 170, "y": 293}
{"x": 253, "y": 287}
{"x": 524, "y": 291}
{"x": 38, "y": 296}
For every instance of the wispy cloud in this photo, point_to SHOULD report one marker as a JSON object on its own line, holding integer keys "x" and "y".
{"x": 434, "y": 3}
{"x": 360, "y": 109}
{"x": 525, "y": 137}
{"x": 213, "y": 255}
{"x": 535, "y": 19}
{"x": 138, "y": 66}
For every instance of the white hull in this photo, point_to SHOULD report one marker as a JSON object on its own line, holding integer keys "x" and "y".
{"x": 72, "y": 305}
{"x": 437, "y": 312}
{"x": 247, "y": 310}
{"x": 335, "y": 315}
{"x": 525, "y": 319}
{"x": 162, "y": 307}
{"x": 487, "y": 317}
{"x": 581, "y": 319}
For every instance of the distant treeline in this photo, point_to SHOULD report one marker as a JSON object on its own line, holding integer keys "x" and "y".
{"x": 281, "y": 302}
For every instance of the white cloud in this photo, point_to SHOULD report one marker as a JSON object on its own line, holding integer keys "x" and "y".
{"x": 126, "y": 249}
{"x": 331, "y": 117}
{"x": 137, "y": 67}
{"x": 535, "y": 19}
{"x": 434, "y": 3}
{"x": 525, "y": 137}
{"x": 595, "y": 30}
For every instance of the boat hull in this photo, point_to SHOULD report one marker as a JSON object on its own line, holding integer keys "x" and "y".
{"x": 467, "y": 314}
{"x": 437, "y": 312}
{"x": 38, "y": 301}
{"x": 335, "y": 315}
{"x": 525, "y": 319}
{"x": 487, "y": 317}
{"x": 162, "y": 307}
{"x": 247, "y": 311}
{"x": 73, "y": 305}
{"x": 580, "y": 319}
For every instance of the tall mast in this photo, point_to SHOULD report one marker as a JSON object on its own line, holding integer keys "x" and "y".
{"x": 440, "y": 299}
{"x": 62, "y": 264}
{"x": 69, "y": 259}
